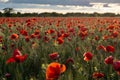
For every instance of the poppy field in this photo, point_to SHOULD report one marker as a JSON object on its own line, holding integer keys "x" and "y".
{"x": 60, "y": 48}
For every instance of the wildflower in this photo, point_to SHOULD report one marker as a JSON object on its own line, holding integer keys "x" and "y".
{"x": 116, "y": 65}
{"x": 71, "y": 30}
{"x": 65, "y": 35}
{"x": 87, "y": 56}
{"x": 110, "y": 49}
{"x": 77, "y": 48}
{"x": 7, "y": 75}
{"x": 97, "y": 75}
{"x": 114, "y": 34}
{"x": 96, "y": 38}
{"x": 14, "y": 36}
{"x": 50, "y": 31}
{"x": 60, "y": 40}
{"x": 108, "y": 60}
{"x": 69, "y": 60}
{"x": 54, "y": 70}
{"x": 54, "y": 55}
{"x": 111, "y": 27}
{"x": 17, "y": 57}
{"x": 32, "y": 35}
{"x": 4, "y": 47}
{"x": 83, "y": 34}
{"x": 1, "y": 39}
{"x": 9, "y": 25}
{"x": 24, "y": 32}
{"x": 36, "y": 32}
{"x": 27, "y": 39}
{"x": 105, "y": 37}
{"x": 46, "y": 39}
{"x": 101, "y": 47}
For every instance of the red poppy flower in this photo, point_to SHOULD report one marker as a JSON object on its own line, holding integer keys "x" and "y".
{"x": 17, "y": 57}
{"x": 83, "y": 29}
{"x": 101, "y": 47}
{"x": 83, "y": 34}
{"x": 87, "y": 56}
{"x": 24, "y": 32}
{"x": 71, "y": 30}
{"x": 54, "y": 55}
{"x": 32, "y": 35}
{"x": 37, "y": 32}
{"x": 9, "y": 25}
{"x": 1, "y": 38}
{"x": 28, "y": 24}
{"x": 110, "y": 48}
{"x": 97, "y": 75}
{"x": 54, "y": 70}
{"x": 114, "y": 34}
{"x": 14, "y": 36}
{"x": 111, "y": 27}
{"x": 60, "y": 40}
{"x": 68, "y": 25}
{"x": 65, "y": 35}
{"x": 27, "y": 39}
{"x": 77, "y": 48}
{"x": 46, "y": 39}
{"x": 96, "y": 38}
{"x": 109, "y": 60}
{"x": 50, "y": 31}
{"x": 69, "y": 60}
{"x": 105, "y": 37}
{"x": 116, "y": 65}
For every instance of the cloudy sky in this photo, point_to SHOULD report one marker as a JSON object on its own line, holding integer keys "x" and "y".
{"x": 62, "y": 6}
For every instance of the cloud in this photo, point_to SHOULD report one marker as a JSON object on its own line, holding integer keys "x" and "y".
{"x": 114, "y": 5}
{"x": 54, "y": 2}
{"x": 95, "y": 7}
{"x": 65, "y": 2}
{"x": 4, "y": 1}
{"x": 98, "y": 5}
{"x": 105, "y": 1}
{"x": 39, "y": 8}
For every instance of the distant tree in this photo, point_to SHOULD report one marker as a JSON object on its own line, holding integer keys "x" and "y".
{"x": 18, "y": 14}
{"x": 1, "y": 14}
{"x": 109, "y": 14}
{"x": 8, "y": 11}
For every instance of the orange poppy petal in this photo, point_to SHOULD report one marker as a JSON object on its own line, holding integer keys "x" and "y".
{"x": 63, "y": 68}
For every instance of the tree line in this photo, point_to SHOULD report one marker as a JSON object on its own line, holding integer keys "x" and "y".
{"x": 9, "y": 12}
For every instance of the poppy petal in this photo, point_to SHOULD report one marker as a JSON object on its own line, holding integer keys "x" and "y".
{"x": 10, "y": 60}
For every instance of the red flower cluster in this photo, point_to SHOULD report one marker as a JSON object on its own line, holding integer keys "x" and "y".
{"x": 108, "y": 48}
{"x": 17, "y": 57}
